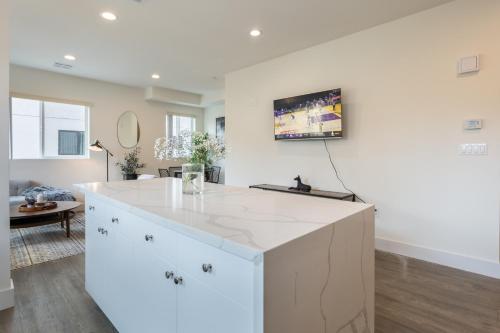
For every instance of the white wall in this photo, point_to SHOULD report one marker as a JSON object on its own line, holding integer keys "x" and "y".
{"x": 404, "y": 105}
{"x": 213, "y": 112}
{"x": 6, "y": 291}
{"x": 108, "y": 101}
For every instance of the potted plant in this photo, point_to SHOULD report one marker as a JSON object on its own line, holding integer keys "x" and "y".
{"x": 198, "y": 150}
{"x": 131, "y": 164}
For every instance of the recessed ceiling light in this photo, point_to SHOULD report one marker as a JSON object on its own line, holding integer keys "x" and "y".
{"x": 69, "y": 57}
{"x": 155, "y": 76}
{"x": 108, "y": 16}
{"x": 255, "y": 33}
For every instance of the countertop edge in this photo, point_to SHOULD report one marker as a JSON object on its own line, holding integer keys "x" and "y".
{"x": 200, "y": 235}
{"x": 216, "y": 241}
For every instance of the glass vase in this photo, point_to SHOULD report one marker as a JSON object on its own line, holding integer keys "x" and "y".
{"x": 193, "y": 178}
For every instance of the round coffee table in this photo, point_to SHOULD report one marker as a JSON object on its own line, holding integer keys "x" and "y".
{"x": 60, "y": 214}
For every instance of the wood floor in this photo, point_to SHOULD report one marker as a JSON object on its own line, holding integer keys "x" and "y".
{"x": 417, "y": 296}
{"x": 51, "y": 298}
{"x": 411, "y": 296}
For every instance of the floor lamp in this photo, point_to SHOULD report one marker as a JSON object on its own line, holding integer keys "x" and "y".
{"x": 97, "y": 146}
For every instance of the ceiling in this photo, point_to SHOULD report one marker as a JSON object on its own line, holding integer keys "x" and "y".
{"x": 190, "y": 43}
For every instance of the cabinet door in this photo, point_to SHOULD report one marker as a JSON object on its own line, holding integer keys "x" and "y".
{"x": 153, "y": 294}
{"x": 95, "y": 262}
{"x": 102, "y": 270}
{"x": 203, "y": 309}
{"x": 117, "y": 279}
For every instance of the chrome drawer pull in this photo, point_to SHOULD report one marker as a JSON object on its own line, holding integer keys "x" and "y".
{"x": 178, "y": 280}
{"x": 207, "y": 268}
{"x": 91, "y": 208}
{"x": 114, "y": 220}
{"x": 148, "y": 238}
{"x": 100, "y": 229}
{"x": 169, "y": 275}
{"x": 104, "y": 232}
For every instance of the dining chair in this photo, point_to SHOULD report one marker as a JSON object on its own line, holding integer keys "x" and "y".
{"x": 163, "y": 173}
{"x": 214, "y": 174}
{"x": 175, "y": 171}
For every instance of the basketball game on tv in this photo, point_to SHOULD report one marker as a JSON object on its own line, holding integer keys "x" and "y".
{"x": 311, "y": 116}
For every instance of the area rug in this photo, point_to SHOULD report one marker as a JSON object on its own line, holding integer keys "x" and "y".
{"x": 35, "y": 245}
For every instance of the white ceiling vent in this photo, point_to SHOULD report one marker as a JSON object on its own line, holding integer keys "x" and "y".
{"x": 62, "y": 66}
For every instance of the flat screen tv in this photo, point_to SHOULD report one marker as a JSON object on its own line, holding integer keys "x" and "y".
{"x": 311, "y": 116}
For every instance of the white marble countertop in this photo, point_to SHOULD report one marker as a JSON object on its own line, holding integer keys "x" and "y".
{"x": 243, "y": 221}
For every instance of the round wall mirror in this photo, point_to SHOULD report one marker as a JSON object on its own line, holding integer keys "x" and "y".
{"x": 128, "y": 130}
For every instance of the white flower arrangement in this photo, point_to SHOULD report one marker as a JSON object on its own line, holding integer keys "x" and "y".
{"x": 195, "y": 147}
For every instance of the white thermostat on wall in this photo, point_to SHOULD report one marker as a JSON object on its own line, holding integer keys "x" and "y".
{"x": 473, "y": 124}
{"x": 468, "y": 65}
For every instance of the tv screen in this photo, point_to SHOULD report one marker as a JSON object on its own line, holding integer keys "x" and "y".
{"x": 311, "y": 116}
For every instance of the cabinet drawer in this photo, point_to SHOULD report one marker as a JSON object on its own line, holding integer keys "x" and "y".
{"x": 230, "y": 275}
{"x": 105, "y": 215}
{"x": 120, "y": 221}
{"x": 162, "y": 241}
{"x": 95, "y": 210}
{"x": 158, "y": 240}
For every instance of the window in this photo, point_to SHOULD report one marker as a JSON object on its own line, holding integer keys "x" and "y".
{"x": 42, "y": 129}
{"x": 176, "y": 124}
{"x": 25, "y": 128}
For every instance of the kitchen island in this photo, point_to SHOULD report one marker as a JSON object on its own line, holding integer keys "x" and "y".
{"x": 232, "y": 260}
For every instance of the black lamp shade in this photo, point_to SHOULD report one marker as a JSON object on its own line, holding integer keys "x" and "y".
{"x": 97, "y": 146}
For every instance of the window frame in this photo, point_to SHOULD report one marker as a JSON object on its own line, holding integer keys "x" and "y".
{"x": 42, "y": 102}
{"x": 169, "y": 122}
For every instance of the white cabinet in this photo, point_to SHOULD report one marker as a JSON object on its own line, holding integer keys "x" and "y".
{"x": 250, "y": 261}
{"x": 121, "y": 269}
{"x": 102, "y": 269}
{"x": 155, "y": 293}
{"x": 203, "y": 309}
{"x": 226, "y": 273}
{"x": 94, "y": 263}
{"x": 148, "y": 278}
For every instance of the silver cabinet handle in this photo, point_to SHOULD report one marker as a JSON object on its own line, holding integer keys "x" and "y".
{"x": 104, "y": 232}
{"x": 100, "y": 229}
{"x": 114, "y": 220}
{"x": 148, "y": 238}
{"x": 178, "y": 280}
{"x": 207, "y": 268}
{"x": 91, "y": 207}
{"x": 169, "y": 275}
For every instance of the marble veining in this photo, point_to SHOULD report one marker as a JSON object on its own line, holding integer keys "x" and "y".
{"x": 359, "y": 323}
{"x": 330, "y": 268}
{"x": 331, "y": 271}
{"x": 247, "y": 222}
{"x": 363, "y": 281}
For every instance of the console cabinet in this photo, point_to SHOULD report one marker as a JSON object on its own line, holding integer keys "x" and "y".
{"x": 148, "y": 278}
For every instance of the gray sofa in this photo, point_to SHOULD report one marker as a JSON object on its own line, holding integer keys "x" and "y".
{"x": 19, "y": 189}
{"x": 16, "y": 188}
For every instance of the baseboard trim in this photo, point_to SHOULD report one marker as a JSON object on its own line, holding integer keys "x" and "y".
{"x": 470, "y": 264}
{"x": 7, "y": 297}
